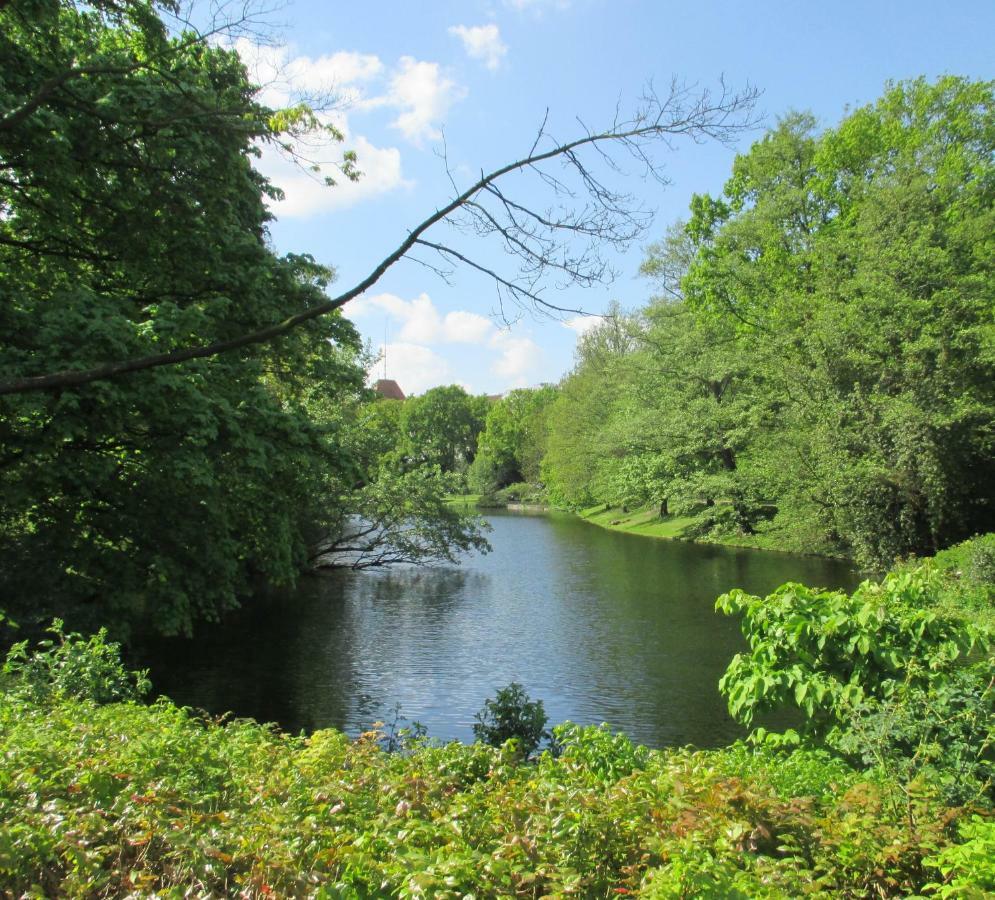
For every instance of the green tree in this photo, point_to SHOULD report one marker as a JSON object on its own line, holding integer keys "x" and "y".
{"x": 862, "y": 259}
{"x": 133, "y": 222}
{"x": 512, "y": 444}
{"x": 441, "y": 426}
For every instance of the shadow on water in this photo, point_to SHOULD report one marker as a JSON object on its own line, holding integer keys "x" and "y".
{"x": 601, "y": 626}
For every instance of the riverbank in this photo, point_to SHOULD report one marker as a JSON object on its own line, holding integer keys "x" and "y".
{"x": 646, "y": 521}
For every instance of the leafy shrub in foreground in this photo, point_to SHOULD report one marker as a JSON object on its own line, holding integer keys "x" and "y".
{"x": 125, "y": 799}
{"x": 512, "y": 715}
{"x": 72, "y": 666}
{"x": 824, "y": 652}
{"x": 969, "y": 867}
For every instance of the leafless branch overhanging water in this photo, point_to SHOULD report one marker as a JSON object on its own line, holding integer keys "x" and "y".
{"x": 541, "y": 240}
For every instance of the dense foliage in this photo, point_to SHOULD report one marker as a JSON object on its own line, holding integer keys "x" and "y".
{"x": 120, "y": 798}
{"x": 818, "y": 370}
{"x": 512, "y": 442}
{"x": 899, "y": 675}
{"x": 132, "y": 222}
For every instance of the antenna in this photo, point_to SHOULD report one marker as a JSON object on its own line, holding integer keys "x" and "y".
{"x": 386, "y": 322}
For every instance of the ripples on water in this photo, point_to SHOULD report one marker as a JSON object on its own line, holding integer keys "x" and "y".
{"x": 601, "y": 626}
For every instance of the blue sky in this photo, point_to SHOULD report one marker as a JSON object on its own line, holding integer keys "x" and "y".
{"x": 484, "y": 73}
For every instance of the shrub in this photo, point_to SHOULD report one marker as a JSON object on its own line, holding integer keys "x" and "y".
{"x": 968, "y": 868}
{"x": 512, "y": 715}
{"x": 72, "y": 666}
{"x": 824, "y": 652}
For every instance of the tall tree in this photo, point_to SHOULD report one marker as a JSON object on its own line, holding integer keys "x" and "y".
{"x": 864, "y": 257}
{"x": 441, "y": 426}
{"x": 133, "y": 222}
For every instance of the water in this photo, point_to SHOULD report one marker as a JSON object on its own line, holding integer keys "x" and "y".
{"x": 602, "y": 626}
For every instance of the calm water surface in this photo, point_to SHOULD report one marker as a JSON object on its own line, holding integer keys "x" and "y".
{"x": 602, "y": 626}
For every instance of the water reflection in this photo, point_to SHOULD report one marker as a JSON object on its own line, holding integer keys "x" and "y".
{"x": 601, "y": 626}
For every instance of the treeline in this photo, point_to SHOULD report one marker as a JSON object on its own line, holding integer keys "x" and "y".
{"x": 817, "y": 369}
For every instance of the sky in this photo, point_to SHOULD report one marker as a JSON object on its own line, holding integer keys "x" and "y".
{"x": 475, "y": 79}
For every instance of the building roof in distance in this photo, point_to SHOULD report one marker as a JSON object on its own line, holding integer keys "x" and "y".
{"x": 387, "y": 387}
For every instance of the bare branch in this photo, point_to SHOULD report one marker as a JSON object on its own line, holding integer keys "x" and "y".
{"x": 607, "y": 216}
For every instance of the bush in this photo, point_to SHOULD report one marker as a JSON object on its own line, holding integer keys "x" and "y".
{"x": 512, "y": 715}
{"x": 968, "y": 868}
{"x": 72, "y": 666}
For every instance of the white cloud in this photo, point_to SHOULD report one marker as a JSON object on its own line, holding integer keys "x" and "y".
{"x": 519, "y": 357}
{"x": 482, "y": 42}
{"x": 413, "y": 367}
{"x": 581, "y": 325}
{"x": 422, "y": 323}
{"x": 462, "y": 327}
{"x": 307, "y": 195}
{"x": 333, "y": 83}
{"x": 338, "y": 77}
{"x": 515, "y": 358}
{"x": 424, "y": 96}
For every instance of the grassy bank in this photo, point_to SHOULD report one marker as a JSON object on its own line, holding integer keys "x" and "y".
{"x": 646, "y": 520}
{"x": 463, "y": 499}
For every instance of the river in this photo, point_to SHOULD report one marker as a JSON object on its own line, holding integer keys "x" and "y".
{"x": 599, "y": 625}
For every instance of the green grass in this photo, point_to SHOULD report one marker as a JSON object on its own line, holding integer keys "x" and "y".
{"x": 463, "y": 499}
{"x": 645, "y": 520}
{"x": 778, "y": 536}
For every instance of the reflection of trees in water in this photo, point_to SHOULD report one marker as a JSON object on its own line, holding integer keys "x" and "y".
{"x": 602, "y": 626}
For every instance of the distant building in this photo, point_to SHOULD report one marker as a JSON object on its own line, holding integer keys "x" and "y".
{"x": 388, "y": 388}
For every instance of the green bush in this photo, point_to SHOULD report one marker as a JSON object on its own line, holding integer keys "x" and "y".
{"x": 824, "y": 652}
{"x": 968, "y": 868}
{"x": 512, "y": 715}
{"x": 72, "y": 666}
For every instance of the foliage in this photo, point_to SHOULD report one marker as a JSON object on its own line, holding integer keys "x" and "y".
{"x": 71, "y": 667}
{"x": 519, "y": 492}
{"x": 123, "y": 798}
{"x": 968, "y": 868}
{"x": 824, "y": 652}
{"x": 119, "y": 798}
{"x": 400, "y": 517}
{"x": 512, "y": 716}
{"x": 512, "y": 443}
{"x": 885, "y": 677}
{"x": 133, "y": 223}
{"x": 440, "y": 427}
{"x": 597, "y": 751}
{"x": 817, "y": 370}
{"x": 942, "y": 734}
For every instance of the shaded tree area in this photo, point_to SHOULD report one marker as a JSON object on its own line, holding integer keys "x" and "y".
{"x": 132, "y": 222}
{"x": 821, "y": 347}
{"x": 441, "y": 428}
{"x": 512, "y": 442}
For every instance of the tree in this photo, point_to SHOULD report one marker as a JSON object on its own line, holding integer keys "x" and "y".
{"x": 512, "y": 444}
{"x": 862, "y": 258}
{"x": 441, "y": 426}
{"x": 399, "y": 517}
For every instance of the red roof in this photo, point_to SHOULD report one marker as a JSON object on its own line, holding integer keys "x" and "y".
{"x": 387, "y": 387}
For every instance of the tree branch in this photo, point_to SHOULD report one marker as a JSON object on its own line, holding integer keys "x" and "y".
{"x": 682, "y": 113}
